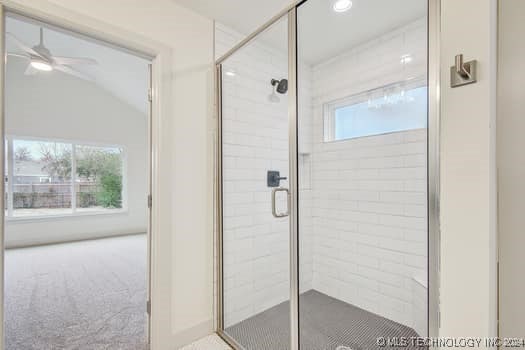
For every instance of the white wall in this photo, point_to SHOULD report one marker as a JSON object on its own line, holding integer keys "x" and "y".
{"x": 468, "y": 172}
{"x": 511, "y": 167}
{"x": 182, "y": 269}
{"x": 59, "y": 106}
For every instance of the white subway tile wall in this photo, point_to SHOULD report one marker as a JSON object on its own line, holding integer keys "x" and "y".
{"x": 370, "y": 228}
{"x": 369, "y": 194}
{"x": 362, "y": 201}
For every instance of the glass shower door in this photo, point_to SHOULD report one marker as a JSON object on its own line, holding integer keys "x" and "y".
{"x": 362, "y": 114}
{"x": 255, "y": 282}
{"x": 324, "y": 185}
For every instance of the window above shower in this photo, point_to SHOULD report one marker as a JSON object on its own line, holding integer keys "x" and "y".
{"x": 382, "y": 111}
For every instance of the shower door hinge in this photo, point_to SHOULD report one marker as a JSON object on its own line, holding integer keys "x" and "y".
{"x": 150, "y": 201}
{"x": 150, "y": 95}
{"x": 148, "y": 307}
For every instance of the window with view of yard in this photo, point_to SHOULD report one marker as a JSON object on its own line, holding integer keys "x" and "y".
{"x": 45, "y": 177}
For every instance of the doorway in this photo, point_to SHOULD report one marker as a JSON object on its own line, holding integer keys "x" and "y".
{"x": 77, "y": 180}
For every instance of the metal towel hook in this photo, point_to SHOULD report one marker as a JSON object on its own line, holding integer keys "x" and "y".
{"x": 462, "y": 73}
{"x": 461, "y": 68}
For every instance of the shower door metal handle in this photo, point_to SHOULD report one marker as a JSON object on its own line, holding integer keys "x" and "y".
{"x": 274, "y": 209}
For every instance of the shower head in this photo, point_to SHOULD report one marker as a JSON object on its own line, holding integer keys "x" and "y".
{"x": 282, "y": 85}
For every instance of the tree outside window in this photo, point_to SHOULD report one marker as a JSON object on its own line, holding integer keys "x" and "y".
{"x": 60, "y": 178}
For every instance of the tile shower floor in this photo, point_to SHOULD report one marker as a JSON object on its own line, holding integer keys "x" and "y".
{"x": 326, "y": 324}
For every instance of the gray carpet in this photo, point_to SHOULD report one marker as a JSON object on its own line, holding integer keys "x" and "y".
{"x": 86, "y": 295}
{"x": 326, "y": 324}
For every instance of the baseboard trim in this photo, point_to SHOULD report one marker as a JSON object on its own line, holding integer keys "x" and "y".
{"x": 78, "y": 238}
{"x": 192, "y": 334}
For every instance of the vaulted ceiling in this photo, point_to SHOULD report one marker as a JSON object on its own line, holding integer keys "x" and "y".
{"x": 122, "y": 74}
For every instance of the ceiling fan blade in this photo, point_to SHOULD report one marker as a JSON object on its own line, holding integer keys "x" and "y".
{"x": 73, "y": 60}
{"x": 23, "y": 46}
{"x": 71, "y": 71}
{"x": 13, "y": 54}
{"x": 30, "y": 70}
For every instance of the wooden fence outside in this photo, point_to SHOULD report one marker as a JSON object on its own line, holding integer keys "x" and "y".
{"x": 54, "y": 195}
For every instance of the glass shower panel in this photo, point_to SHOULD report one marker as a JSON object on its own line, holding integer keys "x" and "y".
{"x": 255, "y": 150}
{"x": 362, "y": 152}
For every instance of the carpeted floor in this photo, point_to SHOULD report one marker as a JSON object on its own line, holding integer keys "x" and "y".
{"x": 88, "y": 295}
{"x": 326, "y": 324}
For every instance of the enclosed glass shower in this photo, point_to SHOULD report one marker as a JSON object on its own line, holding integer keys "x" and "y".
{"x": 326, "y": 177}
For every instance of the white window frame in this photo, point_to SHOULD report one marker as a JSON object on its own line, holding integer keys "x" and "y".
{"x": 9, "y": 216}
{"x": 330, "y": 107}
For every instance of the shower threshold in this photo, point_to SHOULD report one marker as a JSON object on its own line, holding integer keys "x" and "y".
{"x": 326, "y": 323}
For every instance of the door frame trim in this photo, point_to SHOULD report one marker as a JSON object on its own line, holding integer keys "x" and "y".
{"x": 160, "y": 58}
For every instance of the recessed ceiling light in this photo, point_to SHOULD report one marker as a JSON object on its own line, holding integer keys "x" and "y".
{"x": 406, "y": 59}
{"x": 342, "y": 5}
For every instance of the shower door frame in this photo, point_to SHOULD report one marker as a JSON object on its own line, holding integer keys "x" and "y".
{"x": 433, "y": 168}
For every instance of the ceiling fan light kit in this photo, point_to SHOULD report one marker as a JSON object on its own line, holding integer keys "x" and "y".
{"x": 41, "y": 59}
{"x": 40, "y": 64}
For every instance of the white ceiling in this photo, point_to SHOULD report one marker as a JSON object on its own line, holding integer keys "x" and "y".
{"x": 122, "y": 74}
{"x": 245, "y": 16}
{"x": 322, "y": 33}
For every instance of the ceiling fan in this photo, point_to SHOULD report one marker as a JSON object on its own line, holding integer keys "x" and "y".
{"x": 41, "y": 59}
